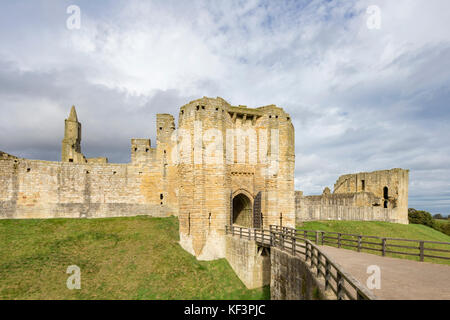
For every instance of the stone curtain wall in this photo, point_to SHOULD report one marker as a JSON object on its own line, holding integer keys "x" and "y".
{"x": 359, "y": 197}
{"x": 344, "y": 207}
{"x": 291, "y": 279}
{"x": 336, "y": 212}
{"x": 249, "y": 263}
{"x": 42, "y": 189}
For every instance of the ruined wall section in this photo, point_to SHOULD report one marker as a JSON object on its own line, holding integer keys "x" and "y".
{"x": 93, "y": 189}
{"x": 42, "y": 189}
{"x": 368, "y": 196}
{"x": 395, "y": 180}
{"x": 6, "y": 156}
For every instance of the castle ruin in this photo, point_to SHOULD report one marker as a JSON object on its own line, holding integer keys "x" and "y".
{"x": 223, "y": 165}
{"x": 366, "y": 196}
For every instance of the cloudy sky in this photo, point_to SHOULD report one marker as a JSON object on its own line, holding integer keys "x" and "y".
{"x": 361, "y": 99}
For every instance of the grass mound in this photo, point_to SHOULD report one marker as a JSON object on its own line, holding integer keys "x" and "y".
{"x": 388, "y": 230}
{"x": 119, "y": 258}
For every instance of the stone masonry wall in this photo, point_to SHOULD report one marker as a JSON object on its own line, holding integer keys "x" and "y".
{"x": 222, "y": 166}
{"x": 251, "y": 265}
{"x": 42, "y": 189}
{"x": 291, "y": 279}
{"x": 367, "y": 196}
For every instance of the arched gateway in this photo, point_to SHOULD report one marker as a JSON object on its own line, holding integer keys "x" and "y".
{"x": 242, "y": 211}
{"x": 246, "y": 209}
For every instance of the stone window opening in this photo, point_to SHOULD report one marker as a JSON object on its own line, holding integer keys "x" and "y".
{"x": 182, "y": 111}
{"x": 70, "y": 160}
{"x": 209, "y": 221}
{"x": 135, "y": 149}
{"x": 189, "y": 224}
{"x": 198, "y": 108}
{"x": 386, "y": 196}
{"x": 363, "y": 185}
{"x": 161, "y": 196}
{"x": 28, "y": 169}
{"x": 146, "y": 149}
{"x": 160, "y": 128}
{"x": 217, "y": 109}
{"x": 281, "y": 219}
{"x": 114, "y": 172}
{"x": 203, "y": 107}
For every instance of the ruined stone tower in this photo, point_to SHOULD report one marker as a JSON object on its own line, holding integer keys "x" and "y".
{"x": 372, "y": 196}
{"x": 71, "y": 144}
{"x": 236, "y": 167}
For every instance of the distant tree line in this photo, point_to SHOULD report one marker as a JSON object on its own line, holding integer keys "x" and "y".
{"x": 425, "y": 218}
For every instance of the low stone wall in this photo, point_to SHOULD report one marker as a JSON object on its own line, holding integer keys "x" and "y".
{"x": 351, "y": 213}
{"x": 251, "y": 265}
{"x": 44, "y": 189}
{"x": 291, "y": 279}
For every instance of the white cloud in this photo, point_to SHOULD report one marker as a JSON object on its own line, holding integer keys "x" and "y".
{"x": 360, "y": 99}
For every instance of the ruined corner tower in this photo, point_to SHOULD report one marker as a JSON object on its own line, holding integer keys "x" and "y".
{"x": 71, "y": 144}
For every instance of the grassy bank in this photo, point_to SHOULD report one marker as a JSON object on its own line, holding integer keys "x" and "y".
{"x": 119, "y": 258}
{"x": 385, "y": 229}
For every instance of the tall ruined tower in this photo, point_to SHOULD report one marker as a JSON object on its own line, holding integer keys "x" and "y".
{"x": 71, "y": 144}
{"x": 236, "y": 166}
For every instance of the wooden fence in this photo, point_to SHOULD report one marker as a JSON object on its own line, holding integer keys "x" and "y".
{"x": 384, "y": 245}
{"x": 342, "y": 284}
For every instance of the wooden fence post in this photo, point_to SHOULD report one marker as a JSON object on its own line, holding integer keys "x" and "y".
{"x": 318, "y": 264}
{"x": 359, "y": 243}
{"x": 327, "y": 274}
{"x": 240, "y": 232}
{"x": 293, "y": 246}
{"x": 339, "y": 286}
{"x": 383, "y": 244}
{"x": 339, "y": 240}
{"x": 323, "y": 233}
{"x": 306, "y": 251}
{"x": 422, "y": 247}
{"x": 317, "y": 237}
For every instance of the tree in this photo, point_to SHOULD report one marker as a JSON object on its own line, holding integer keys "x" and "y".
{"x": 420, "y": 217}
{"x": 438, "y": 216}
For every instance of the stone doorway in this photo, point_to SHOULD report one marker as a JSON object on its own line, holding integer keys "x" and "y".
{"x": 242, "y": 211}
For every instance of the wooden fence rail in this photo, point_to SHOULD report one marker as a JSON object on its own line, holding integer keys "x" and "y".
{"x": 342, "y": 284}
{"x": 384, "y": 245}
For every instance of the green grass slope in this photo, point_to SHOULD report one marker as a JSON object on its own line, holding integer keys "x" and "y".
{"x": 388, "y": 230}
{"x": 119, "y": 258}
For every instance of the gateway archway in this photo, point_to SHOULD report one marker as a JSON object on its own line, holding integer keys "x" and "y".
{"x": 242, "y": 211}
